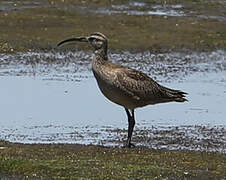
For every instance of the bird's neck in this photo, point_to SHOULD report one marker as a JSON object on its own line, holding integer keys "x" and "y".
{"x": 99, "y": 59}
{"x": 101, "y": 53}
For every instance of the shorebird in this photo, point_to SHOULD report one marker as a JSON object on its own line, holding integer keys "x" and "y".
{"x": 125, "y": 86}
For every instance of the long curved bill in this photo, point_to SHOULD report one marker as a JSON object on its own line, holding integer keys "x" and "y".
{"x": 80, "y": 39}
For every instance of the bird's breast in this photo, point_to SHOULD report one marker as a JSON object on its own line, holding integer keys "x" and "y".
{"x": 106, "y": 83}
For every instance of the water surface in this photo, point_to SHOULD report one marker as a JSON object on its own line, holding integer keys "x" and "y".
{"x": 53, "y": 98}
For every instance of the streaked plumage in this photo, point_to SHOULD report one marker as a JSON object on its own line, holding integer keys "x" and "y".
{"x": 125, "y": 86}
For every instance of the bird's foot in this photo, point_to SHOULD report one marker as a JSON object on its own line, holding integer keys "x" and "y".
{"x": 129, "y": 145}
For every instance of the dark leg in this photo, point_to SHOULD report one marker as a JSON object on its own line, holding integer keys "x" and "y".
{"x": 131, "y": 124}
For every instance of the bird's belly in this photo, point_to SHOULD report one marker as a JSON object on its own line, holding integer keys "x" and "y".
{"x": 115, "y": 95}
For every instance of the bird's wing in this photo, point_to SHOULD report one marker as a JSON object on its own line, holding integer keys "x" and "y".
{"x": 138, "y": 84}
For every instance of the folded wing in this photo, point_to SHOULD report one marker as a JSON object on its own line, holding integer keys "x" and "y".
{"x": 143, "y": 88}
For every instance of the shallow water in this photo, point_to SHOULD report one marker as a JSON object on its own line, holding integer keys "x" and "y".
{"x": 53, "y": 98}
{"x": 129, "y": 8}
{"x": 139, "y": 8}
{"x": 21, "y": 5}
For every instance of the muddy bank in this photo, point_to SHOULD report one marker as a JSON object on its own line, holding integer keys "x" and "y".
{"x": 130, "y": 25}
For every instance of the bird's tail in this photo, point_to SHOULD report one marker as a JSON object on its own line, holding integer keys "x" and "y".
{"x": 175, "y": 95}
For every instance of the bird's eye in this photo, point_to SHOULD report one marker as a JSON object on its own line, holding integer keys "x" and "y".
{"x": 99, "y": 42}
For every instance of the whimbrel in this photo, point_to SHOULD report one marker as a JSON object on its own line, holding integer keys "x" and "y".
{"x": 125, "y": 86}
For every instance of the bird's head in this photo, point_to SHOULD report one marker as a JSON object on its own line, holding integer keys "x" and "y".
{"x": 97, "y": 40}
